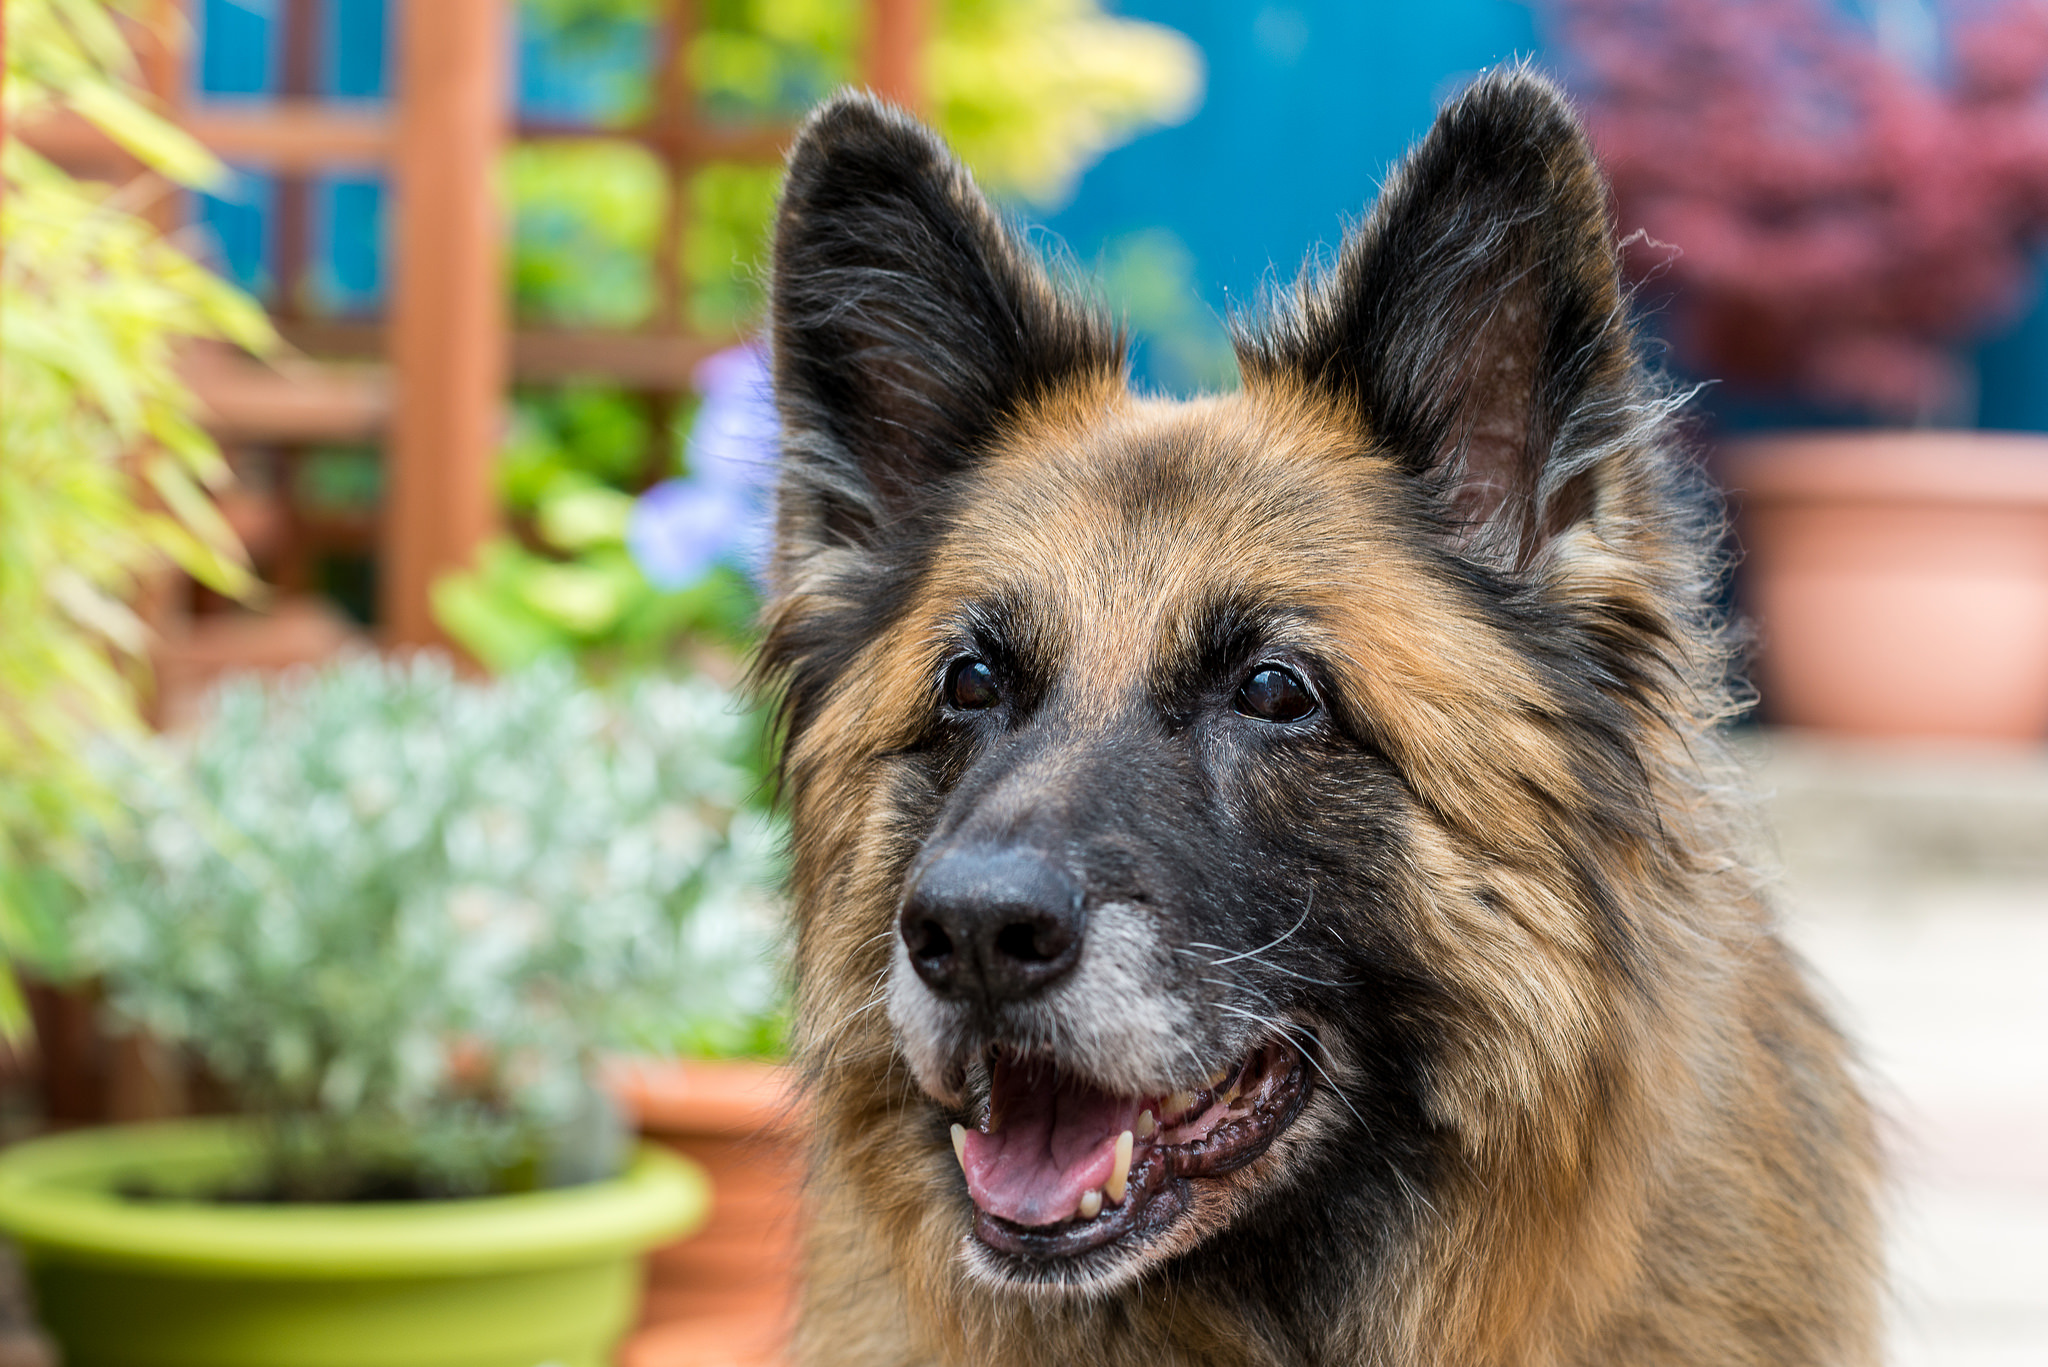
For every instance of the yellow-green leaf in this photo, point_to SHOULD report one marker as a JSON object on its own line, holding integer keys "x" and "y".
{"x": 161, "y": 145}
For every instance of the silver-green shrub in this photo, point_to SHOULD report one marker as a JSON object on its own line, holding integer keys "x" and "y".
{"x": 398, "y": 914}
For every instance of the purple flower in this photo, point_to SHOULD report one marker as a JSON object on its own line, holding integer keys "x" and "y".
{"x": 734, "y": 439}
{"x": 681, "y": 527}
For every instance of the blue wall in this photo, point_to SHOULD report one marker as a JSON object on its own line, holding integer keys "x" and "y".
{"x": 238, "y": 59}
{"x": 1308, "y": 103}
{"x": 2012, "y": 373}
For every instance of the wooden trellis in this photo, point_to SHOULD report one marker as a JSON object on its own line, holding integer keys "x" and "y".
{"x": 428, "y": 382}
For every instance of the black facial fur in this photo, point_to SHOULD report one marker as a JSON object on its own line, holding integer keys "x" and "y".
{"x": 1272, "y": 850}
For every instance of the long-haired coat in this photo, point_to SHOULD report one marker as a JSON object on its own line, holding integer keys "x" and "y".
{"x": 1268, "y": 887}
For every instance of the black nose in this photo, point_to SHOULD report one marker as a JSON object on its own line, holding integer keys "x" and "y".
{"x": 992, "y": 923}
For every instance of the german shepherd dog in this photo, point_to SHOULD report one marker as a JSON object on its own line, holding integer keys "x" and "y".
{"x": 1268, "y": 888}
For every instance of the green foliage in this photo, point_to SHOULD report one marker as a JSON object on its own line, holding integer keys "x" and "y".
{"x": 758, "y": 58}
{"x": 520, "y": 606}
{"x": 340, "y": 479}
{"x": 1029, "y": 92}
{"x": 570, "y": 438}
{"x": 72, "y": 54}
{"x": 105, "y": 473}
{"x": 1151, "y": 275}
{"x": 587, "y": 216}
{"x": 725, "y": 254}
{"x": 585, "y": 23}
{"x": 398, "y": 914}
{"x": 1032, "y": 92}
{"x": 568, "y": 471}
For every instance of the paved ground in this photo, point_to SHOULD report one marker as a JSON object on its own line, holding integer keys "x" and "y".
{"x": 1916, "y": 881}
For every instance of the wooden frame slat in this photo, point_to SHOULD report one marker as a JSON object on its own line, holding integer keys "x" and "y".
{"x": 284, "y": 135}
{"x": 448, "y": 308}
{"x": 637, "y": 360}
{"x": 288, "y": 400}
{"x": 692, "y": 143}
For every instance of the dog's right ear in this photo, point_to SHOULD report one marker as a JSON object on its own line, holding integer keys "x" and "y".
{"x": 907, "y": 322}
{"x": 1476, "y": 328}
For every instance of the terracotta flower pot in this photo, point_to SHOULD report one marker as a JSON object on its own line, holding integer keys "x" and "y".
{"x": 725, "y": 1297}
{"x": 1899, "y": 580}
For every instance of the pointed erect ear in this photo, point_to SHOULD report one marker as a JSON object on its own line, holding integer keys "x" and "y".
{"x": 908, "y": 323}
{"x": 1475, "y": 324}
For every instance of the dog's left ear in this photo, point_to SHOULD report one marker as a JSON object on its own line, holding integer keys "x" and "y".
{"x": 1475, "y": 325}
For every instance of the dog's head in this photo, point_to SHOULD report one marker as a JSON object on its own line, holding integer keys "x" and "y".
{"x": 1213, "y": 808}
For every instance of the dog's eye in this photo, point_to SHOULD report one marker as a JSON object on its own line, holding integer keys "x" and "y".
{"x": 1275, "y": 694}
{"x": 971, "y": 685}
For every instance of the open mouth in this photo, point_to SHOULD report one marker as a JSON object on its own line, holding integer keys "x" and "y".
{"x": 1059, "y": 1166}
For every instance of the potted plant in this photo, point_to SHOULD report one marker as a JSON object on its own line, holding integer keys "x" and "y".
{"x": 1834, "y": 208}
{"x": 395, "y": 917}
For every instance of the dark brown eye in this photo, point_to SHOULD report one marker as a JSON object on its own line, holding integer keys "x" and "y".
{"x": 1275, "y": 694}
{"x": 971, "y": 686}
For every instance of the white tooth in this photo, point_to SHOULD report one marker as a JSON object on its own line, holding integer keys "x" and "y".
{"x": 960, "y": 1145}
{"x": 1091, "y": 1204}
{"x": 1146, "y": 1125}
{"x": 1120, "y": 1175}
{"x": 1179, "y": 1103}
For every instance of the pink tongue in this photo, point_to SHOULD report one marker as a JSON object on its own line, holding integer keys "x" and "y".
{"x": 1055, "y": 1139}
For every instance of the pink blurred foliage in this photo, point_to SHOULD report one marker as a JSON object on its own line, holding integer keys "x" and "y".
{"x": 1834, "y": 221}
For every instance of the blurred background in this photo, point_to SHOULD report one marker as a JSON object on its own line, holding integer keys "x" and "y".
{"x": 334, "y": 329}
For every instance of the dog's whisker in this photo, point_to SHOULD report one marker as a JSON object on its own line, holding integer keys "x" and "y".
{"x": 1264, "y": 963}
{"x": 1254, "y": 953}
{"x": 832, "y": 1038}
{"x": 1412, "y": 1191}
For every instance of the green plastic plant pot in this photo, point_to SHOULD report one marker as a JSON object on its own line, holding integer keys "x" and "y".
{"x": 550, "y": 1277}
